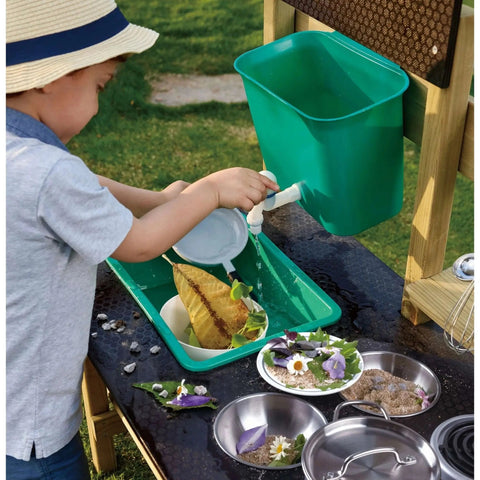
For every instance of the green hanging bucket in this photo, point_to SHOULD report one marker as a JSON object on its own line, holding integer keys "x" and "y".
{"x": 328, "y": 113}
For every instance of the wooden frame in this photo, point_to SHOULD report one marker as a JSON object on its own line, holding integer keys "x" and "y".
{"x": 104, "y": 420}
{"x": 441, "y": 121}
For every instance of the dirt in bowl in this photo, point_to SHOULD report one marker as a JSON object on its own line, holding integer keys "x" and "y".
{"x": 307, "y": 380}
{"x": 262, "y": 456}
{"x": 396, "y": 395}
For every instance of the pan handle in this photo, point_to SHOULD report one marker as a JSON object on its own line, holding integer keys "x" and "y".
{"x": 336, "y": 413}
{"x": 408, "y": 460}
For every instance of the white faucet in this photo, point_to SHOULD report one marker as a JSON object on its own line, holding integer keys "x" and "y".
{"x": 273, "y": 200}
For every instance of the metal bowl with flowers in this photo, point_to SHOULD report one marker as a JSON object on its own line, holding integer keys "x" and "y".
{"x": 259, "y": 430}
{"x": 310, "y": 363}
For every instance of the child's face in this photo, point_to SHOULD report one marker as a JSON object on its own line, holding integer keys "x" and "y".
{"x": 74, "y": 99}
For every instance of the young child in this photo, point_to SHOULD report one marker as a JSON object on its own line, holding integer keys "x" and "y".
{"x": 63, "y": 220}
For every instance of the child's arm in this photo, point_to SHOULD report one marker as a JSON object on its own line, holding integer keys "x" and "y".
{"x": 155, "y": 232}
{"x": 139, "y": 200}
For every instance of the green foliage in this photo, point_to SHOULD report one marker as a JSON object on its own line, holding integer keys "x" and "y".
{"x": 192, "y": 338}
{"x": 268, "y": 358}
{"x": 239, "y": 290}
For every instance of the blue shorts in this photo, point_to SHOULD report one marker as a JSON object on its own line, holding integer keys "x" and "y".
{"x": 69, "y": 463}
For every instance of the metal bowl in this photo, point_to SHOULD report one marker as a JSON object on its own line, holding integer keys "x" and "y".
{"x": 284, "y": 414}
{"x": 403, "y": 367}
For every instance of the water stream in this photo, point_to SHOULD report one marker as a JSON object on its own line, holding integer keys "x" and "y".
{"x": 259, "y": 265}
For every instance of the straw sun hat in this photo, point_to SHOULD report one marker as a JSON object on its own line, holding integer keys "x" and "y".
{"x": 50, "y": 38}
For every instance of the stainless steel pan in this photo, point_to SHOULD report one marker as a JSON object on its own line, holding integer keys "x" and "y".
{"x": 373, "y": 448}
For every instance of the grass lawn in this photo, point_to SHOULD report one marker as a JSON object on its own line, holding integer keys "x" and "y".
{"x": 150, "y": 146}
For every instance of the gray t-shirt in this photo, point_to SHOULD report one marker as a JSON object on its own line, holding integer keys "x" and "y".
{"x": 60, "y": 225}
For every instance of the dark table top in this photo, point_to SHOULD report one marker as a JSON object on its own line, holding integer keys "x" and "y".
{"x": 369, "y": 295}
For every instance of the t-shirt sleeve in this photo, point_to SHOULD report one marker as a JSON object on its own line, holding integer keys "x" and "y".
{"x": 77, "y": 211}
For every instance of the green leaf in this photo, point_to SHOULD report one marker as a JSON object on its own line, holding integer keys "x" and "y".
{"x": 239, "y": 340}
{"x": 268, "y": 358}
{"x": 315, "y": 366}
{"x": 239, "y": 290}
{"x": 171, "y": 387}
{"x": 256, "y": 321}
{"x": 192, "y": 338}
{"x": 319, "y": 336}
{"x": 298, "y": 447}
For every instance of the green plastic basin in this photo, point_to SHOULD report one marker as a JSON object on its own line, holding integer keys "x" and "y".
{"x": 328, "y": 113}
{"x": 290, "y": 298}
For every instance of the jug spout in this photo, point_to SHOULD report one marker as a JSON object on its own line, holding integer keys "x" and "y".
{"x": 273, "y": 200}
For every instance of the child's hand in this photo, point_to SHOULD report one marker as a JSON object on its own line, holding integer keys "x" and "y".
{"x": 239, "y": 187}
{"x": 154, "y": 232}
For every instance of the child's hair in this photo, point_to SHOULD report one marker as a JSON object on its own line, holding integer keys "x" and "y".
{"x": 49, "y": 39}
{"x": 119, "y": 59}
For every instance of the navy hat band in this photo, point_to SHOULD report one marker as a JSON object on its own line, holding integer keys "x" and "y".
{"x": 67, "y": 41}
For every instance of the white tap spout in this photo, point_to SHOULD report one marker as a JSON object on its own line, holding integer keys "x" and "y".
{"x": 290, "y": 194}
{"x": 255, "y": 216}
{"x": 255, "y": 219}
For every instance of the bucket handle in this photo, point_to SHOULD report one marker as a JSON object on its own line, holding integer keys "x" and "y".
{"x": 336, "y": 413}
{"x": 408, "y": 460}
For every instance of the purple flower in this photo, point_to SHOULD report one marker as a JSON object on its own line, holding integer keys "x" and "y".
{"x": 281, "y": 362}
{"x": 292, "y": 336}
{"x": 335, "y": 366}
{"x": 422, "y": 397}
{"x": 279, "y": 345}
{"x": 252, "y": 439}
{"x": 188, "y": 400}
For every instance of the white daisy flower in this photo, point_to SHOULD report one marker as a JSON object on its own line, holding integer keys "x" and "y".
{"x": 181, "y": 390}
{"x": 279, "y": 445}
{"x": 297, "y": 365}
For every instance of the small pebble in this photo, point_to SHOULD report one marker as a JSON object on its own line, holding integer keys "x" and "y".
{"x": 106, "y": 326}
{"x": 136, "y": 315}
{"x": 135, "y": 347}
{"x": 130, "y": 367}
{"x": 155, "y": 349}
{"x": 102, "y": 317}
{"x": 163, "y": 394}
{"x": 200, "y": 390}
{"x": 94, "y": 334}
{"x": 116, "y": 324}
{"x": 121, "y": 329}
{"x": 158, "y": 387}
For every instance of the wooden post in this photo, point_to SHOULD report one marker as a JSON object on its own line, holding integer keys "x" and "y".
{"x": 102, "y": 422}
{"x": 443, "y": 128}
{"x": 278, "y": 20}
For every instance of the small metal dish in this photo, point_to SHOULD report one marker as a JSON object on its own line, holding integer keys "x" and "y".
{"x": 284, "y": 414}
{"x": 404, "y": 367}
